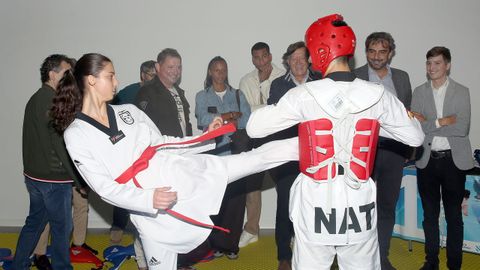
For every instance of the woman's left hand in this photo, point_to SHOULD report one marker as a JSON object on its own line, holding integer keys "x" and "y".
{"x": 216, "y": 123}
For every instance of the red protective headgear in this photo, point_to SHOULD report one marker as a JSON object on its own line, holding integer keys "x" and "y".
{"x": 325, "y": 41}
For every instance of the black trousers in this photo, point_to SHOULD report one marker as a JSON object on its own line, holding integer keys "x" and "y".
{"x": 120, "y": 218}
{"x": 284, "y": 176}
{"x": 387, "y": 174}
{"x": 254, "y": 182}
{"x": 230, "y": 216}
{"x": 442, "y": 180}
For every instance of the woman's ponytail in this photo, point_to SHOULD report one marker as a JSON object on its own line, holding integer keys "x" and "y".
{"x": 66, "y": 102}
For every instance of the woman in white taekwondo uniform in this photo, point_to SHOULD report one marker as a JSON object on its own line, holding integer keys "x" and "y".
{"x": 332, "y": 202}
{"x": 115, "y": 150}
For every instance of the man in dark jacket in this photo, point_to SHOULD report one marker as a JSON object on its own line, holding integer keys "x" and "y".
{"x": 48, "y": 173}
{"x": 163, "y": 100}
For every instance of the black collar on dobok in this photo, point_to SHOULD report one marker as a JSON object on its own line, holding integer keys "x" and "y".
{"x": 112, "y": 132}
{"x": 345, "y": 76}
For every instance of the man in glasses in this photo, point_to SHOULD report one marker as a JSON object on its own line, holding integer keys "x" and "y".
{"x": 128, "y": 94}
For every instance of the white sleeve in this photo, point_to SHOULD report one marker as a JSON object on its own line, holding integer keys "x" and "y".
{"x": 99, "y": 179}
{"x": 396, "y": 123}
{"x": 273, "y": 118}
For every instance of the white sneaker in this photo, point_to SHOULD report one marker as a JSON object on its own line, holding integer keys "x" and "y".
{"x": 247, "y": 238}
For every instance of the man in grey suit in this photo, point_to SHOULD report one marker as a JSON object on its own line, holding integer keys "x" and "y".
{"x": 391, "y": 155}
{"x": 443, "y": 107}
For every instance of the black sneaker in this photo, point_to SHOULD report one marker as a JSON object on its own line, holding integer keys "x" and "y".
{"x": 42, "y": 262}
{"x": 232, "y": 255}
{"x": 87, "y": 247}
{"x": 218, "y": 254}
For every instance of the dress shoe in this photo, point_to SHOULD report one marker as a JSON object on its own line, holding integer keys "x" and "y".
{"x": 429, "y": 266}
{"x": 284, "y": 265}
{"x": 386, "y": 265}
{"x": 42, "y": 262}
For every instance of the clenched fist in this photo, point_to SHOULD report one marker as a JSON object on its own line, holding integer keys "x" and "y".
{"x": 163, "y": 198}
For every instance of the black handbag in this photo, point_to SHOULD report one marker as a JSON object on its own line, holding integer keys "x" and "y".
{"x": 240, "y": 142}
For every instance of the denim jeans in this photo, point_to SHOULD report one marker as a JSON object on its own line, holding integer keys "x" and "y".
{"x": 49, "y": 202}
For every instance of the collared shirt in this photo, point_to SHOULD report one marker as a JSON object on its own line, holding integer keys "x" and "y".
{"x": 439, "y": 143}
{"x": 256, "y": 92}
{"x": 281, "y": 85}
{"x": 297, "y": 83}
{"x": 386, "y": 81}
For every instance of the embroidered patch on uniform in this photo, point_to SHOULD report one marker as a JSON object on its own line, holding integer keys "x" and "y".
{"x": 117, "y": 137}
{"x": 126, "y": 117}
{"x": 153, "y": 261}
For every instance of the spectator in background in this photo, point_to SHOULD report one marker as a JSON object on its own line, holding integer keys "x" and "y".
{"x": 163, "y": 98}
{"x": 127, "y": 95}
{"x": 442, "y": 105}
{"x": 48, "y": 172}
{"x": 220, "y": 99}
{"x": 256, "y": 87}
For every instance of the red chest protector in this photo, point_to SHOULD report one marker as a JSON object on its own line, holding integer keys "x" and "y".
{"x": 317, "y": 149}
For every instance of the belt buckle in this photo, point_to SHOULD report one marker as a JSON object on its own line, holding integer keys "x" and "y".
{"x": 437, "y": 155}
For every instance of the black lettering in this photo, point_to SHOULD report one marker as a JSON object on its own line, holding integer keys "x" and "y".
{"x": 354, "y": 222}
{"x": 330, "y": 223}
{"x": 343, "y": 227}
{"x": 368, "y": 213}
{"x": 353, "y": 217}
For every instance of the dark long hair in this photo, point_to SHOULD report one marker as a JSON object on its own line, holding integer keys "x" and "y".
{"x": 208, "y": 79}
{"x": 69, "y": 95}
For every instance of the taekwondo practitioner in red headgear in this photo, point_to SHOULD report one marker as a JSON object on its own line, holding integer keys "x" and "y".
{"x": 332, "y": 201}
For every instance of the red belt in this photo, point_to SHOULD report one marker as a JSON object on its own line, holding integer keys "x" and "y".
{"x": 142, "y": 163}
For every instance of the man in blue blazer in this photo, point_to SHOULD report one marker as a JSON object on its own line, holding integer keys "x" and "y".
{"x": 391, "y": 155}
{"x": 443, "y": 107}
